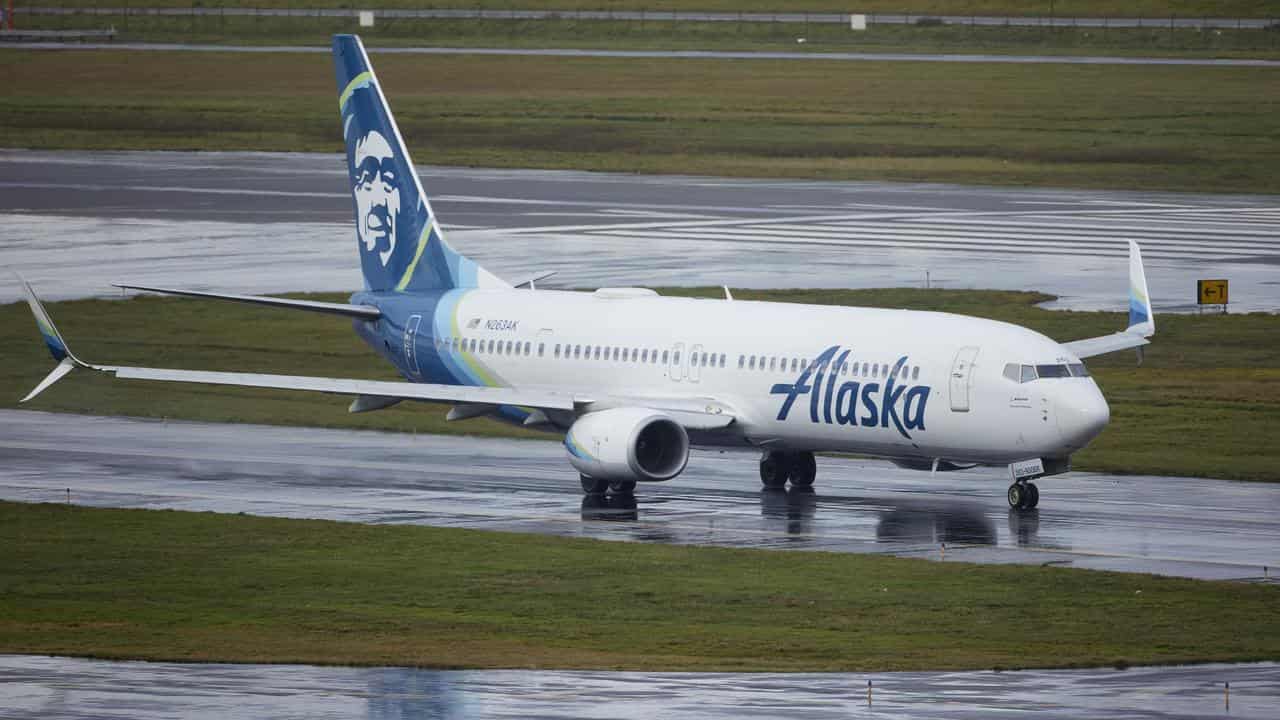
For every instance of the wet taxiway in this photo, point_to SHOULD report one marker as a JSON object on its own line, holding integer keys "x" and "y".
{"x": 1176, "y": 526}
{"x": 62, "y": 689}
{"x": 73, "y": 222}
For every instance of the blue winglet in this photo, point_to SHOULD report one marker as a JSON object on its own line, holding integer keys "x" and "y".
{"x": 52, "y": 340}
{"x": 1141, "y": 318}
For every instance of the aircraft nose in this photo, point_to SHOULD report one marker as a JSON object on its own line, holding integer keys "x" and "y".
{"x": 1082, "y": 413}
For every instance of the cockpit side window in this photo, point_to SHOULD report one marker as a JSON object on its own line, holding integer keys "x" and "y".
{"x": 1013, "y": 371}
{"x": 1052, "y": 371}
{"x": 1078, "y": 370}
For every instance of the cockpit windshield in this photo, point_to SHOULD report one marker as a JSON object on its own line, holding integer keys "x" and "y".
{"x": 1027, "y": 373}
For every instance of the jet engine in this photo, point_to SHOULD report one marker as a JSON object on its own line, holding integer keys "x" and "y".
{"x": 627, "y": 444}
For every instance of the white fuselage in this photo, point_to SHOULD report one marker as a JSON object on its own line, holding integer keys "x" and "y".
{"x": 948, "y": 397}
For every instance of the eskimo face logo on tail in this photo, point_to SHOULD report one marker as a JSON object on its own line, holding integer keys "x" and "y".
{"x": 834, "y": 402}
{"x": 377, "y": 194}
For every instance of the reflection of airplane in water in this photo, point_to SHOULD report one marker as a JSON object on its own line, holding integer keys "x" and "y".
{"x": 796, "y": 507}
{"x": 935, "y": 524}
{"x": 617, "y": 507}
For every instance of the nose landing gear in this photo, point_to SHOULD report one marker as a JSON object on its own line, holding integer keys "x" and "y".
{"x": 1023, "y": 495}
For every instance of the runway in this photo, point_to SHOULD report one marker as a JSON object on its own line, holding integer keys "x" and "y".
{"x": 1189, "y": 527}
{"x": 62, "y": 688}
{"x": 73, "y": 222}
{"x": 672, "y": 54}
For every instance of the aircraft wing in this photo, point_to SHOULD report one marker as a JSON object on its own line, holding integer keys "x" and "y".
{"x": 340, "y": 386}
{"x": 1105, "y": 344}
{"x": 365, "y": 312}
{"x": 692, "y": 413}
{"x": 1142, "y": 320}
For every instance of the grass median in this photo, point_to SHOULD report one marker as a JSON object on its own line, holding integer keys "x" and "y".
{"x": 1183, "y": 128}
{"x": 1061, "y": 9}
{"x": 166, "y": 585}
{"x": 663, "y": 33}
{"x": 1205, "y": 403}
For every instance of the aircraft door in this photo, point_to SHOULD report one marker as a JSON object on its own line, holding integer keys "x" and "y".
{"x": 676, "y": 368}
{"x": 961, "y": 377}
{"x": 695, "y": 363}
{"x": 411, "y": 345}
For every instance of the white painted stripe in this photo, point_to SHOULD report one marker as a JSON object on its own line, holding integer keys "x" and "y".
{"x": 1089, "y": 230}
{"x": 1195, "y": 247}
{"x": 1010, "y": 248}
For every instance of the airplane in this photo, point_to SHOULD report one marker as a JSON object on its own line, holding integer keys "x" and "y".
{"x": 632, "y": 380}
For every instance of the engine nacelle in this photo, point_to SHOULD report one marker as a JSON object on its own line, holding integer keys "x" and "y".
{"x": 628, "y": 444}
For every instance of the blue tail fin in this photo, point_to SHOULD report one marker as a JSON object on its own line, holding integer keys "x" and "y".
{"x": 401, "y": 245}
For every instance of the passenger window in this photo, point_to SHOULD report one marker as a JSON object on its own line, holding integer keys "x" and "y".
{"x": 752, "y": 363}
{"x": 556, "y": 351}
{"x": 693, "y": 359}
{"x": 542, "y": 347}
{"x": 915, "y": 373}
{"x": 903, "y": 374}
{"x": 665, "y": 356}
{"x": 577, "y": 352}
{"x": 742, "y": 361}
{"x": 675, "y": 357}
{"x": 724, "y": 359}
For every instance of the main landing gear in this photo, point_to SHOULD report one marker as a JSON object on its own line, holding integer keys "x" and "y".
{"x": 595, "y": 486}
{"x": 1023, "y": 495}
{"x": 778, "y": 468}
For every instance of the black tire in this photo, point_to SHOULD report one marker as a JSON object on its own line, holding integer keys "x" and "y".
{"x": 622, "y": 487}
{"x": 774, "y": 469}
{"x": 1033, "y": 495}
{"x": 804, "y": 470}
{"x": 1017, "y": 496}
{"x": 592, "y": 486}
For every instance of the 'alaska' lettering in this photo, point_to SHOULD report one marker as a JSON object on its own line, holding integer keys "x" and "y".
{"x": 834, "y": 402}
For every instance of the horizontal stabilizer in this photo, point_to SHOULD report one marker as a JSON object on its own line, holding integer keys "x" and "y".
{"x": 368, "y": 312}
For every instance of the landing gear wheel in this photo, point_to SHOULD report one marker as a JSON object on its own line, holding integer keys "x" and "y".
{"x": 804, "y": 469}
{"x": 1017, "y": 496}
{"x": 592, "y": 486}
{"x": 774, "y": 469}
{"x": 622, "y": 487}
{"x": 1023, "y": 495}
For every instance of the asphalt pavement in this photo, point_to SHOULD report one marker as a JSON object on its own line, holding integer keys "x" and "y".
{"x": 74, "y": 222}
{"x": 71, "y": 689}
{"x": 1192, "y": 527}
{"x": 671, "y": 54}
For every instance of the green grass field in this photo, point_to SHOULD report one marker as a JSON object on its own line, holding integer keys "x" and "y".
{"x": 652, "y": 34}
{"x": 1205, "y": 403}
{"x": 1060, "y": 8}
{"x": 205, "y": 587}
{"x": 1186, "y": 128}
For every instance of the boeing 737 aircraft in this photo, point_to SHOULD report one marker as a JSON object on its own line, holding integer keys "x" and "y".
{"x": 632, "y": 380}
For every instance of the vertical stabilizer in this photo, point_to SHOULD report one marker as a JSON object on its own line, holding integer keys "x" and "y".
{"x": 401, "y": 245}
